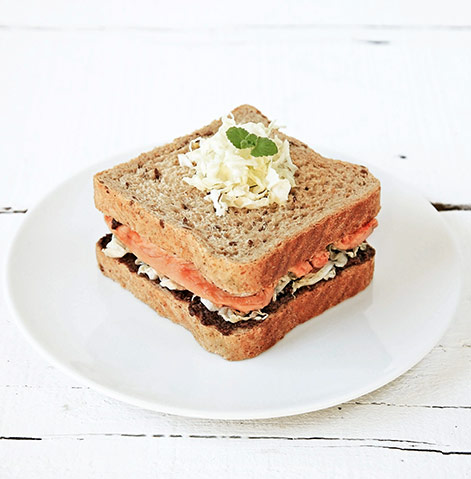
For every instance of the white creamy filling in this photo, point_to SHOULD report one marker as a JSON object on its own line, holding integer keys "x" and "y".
{"x": 116, "y": 249}
{"x": 337, "y": 260}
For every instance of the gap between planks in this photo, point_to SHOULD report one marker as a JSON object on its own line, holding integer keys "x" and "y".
{"x": 451, "y": 207}
{"x": 395, "y": 444}
{"x": 11, "y": 210}
{"x": 436, "y": 205}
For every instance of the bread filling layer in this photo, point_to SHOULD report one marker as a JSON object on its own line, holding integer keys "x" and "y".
{"x": 286, "y": 288}
{"x": 178, "y": 273}
{"x": 337, "y": 260}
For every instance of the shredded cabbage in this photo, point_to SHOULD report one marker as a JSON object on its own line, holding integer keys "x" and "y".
{"x": 232, "y": 176}
{"x": 326, "y": 272}
{"x": 282, "y": 283}
{"x": 229, "y": 315}
{"x": 169, "y": 284}
{"x": 144, "y": 268}
{"x": 232, "y": 316}
{"x": 115, "y": 249}
{"x": 337, "y": 259}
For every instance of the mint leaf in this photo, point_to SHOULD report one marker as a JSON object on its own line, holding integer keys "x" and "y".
{"x": 264, "y": 147}
{"x": 236, "y": 135}
{"x": 241, "y": 139}
{"x": 249, "y": 142}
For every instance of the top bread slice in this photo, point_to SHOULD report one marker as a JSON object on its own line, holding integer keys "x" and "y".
{"x": 245, "y": 250}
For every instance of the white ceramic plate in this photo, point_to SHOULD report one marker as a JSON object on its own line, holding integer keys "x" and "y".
{"x": 90, "y": 327}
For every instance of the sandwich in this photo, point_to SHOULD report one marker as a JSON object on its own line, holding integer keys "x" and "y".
{"x": 238, "y": 232}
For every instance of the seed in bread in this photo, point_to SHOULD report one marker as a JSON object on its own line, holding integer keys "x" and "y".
{"x": 244, "y": 250}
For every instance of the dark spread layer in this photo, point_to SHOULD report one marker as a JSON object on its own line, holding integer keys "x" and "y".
{"x": 185, "y": 273}
{"x": 212, "y": 318}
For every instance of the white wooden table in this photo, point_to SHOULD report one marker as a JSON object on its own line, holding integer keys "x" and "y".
{"x": 389, "y": 84}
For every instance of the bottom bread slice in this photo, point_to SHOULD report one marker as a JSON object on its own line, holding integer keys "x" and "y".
{"x": 247, "y": 339}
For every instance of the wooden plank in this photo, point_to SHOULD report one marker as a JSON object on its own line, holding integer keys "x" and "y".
{"x": 148, "y": 14}
{"x": 429, "y": 407}
{"x": 397, "y": 97}
{"x": 401, "y": 104}
{"x": 74, "y": 413}
{"x": 177, "y": 457}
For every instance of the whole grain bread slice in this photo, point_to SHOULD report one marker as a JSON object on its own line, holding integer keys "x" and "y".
{"x": 240, "y": 342}
{"x": 245, "y": 250}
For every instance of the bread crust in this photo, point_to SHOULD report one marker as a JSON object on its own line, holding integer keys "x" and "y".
{"x": 241, "y": 343}
{"x": 235, "y": 277}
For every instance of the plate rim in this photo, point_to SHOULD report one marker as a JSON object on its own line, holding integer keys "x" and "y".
{"x": 221, "y": 414}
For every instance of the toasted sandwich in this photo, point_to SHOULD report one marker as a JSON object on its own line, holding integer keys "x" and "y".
{"x": 238, "y": 232}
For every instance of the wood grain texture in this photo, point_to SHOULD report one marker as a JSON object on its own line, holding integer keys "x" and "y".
{"x": 124, "y": 457}
{"x": 401, "y": 105}
{"x": 163, "y": 15}
{"x": 389, "y": 85}
{"x": 419, "y": 425}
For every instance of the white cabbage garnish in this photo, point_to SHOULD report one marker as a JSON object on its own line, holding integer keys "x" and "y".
{"x": 144, "y": 268}
{"x": 337, "y": 259}
{"x": 326, "y": 272}
{"x": 230, "y": 315}
{"x": 232, "y": 176}
{"x": 115, "y": 249}
{"x": 169, "y": 284}
{"x": 281, "y": 285}
{"x": 209, "y": 305}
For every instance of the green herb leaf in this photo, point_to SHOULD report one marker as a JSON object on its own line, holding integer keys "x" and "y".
{"x": 249, "y": 142}
{"x": 236, "y": 135}
{"x": 264, "y": 147}
{"x": 241, "y": 139}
